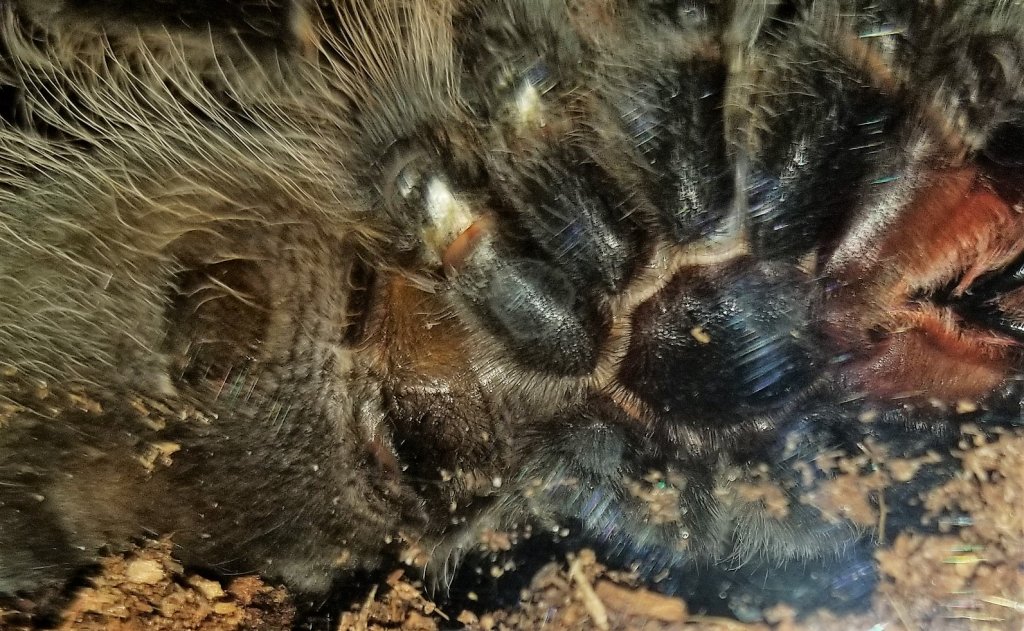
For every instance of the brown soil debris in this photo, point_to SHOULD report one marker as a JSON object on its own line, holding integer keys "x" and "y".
{"x": 969, "y": 578}
{"x": 147, "y": 590}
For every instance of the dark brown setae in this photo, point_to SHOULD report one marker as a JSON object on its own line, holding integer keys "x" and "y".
{"x": 303, "y": 284}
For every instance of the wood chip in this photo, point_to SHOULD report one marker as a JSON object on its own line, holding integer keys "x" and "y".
{"x": 640, "y": 602}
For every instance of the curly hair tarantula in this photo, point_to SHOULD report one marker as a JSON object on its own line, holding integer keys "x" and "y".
{"x": 299, "y": 283}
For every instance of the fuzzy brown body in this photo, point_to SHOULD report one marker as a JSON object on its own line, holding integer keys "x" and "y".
{"x": 298, "y": 286}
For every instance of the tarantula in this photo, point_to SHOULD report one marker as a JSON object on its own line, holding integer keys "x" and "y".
{"x": 299, "y": 283}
